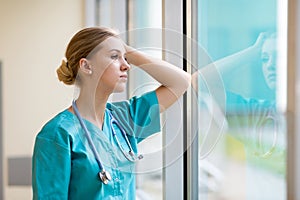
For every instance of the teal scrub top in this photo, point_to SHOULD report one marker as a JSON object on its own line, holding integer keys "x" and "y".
{"x": 64, "y": 166}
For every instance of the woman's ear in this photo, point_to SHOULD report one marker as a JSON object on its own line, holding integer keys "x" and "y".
{"x": 85, "y": 66}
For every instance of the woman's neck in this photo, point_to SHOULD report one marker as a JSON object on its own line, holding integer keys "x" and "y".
{"x": 92, "y": 107}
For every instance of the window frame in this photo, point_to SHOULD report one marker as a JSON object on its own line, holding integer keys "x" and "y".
{"x": 293, "y": 111}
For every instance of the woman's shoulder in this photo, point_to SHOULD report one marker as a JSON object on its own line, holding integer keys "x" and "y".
{"x": 237, "y": 102}
{"x": 58, "y": 127}
{"x": 138, "y": 112}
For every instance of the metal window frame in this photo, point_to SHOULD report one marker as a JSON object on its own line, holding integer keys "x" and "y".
{"x": 293, "y": 111}
{"x": 1, "y": 137}
{"x": 192, "y": 142}
{"x": 173, "y": 173}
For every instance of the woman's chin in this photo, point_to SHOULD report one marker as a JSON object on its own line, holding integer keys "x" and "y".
{"x": 272, "y": 85}
{"x": 119, "y": 90}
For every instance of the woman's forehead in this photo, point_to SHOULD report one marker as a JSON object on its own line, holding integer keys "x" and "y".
{"x": 112, "y": 43}
{"x": 109, "y": 44}
{"x": 269, "y": 44}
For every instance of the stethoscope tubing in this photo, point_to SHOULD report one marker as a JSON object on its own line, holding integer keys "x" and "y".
{"x": 113, "y": 120}
{"x": 132, "y": 158}
{"x": 87, "y": 136}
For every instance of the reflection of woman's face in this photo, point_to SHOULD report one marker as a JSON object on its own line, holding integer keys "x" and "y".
{"x": 268, "y": 58}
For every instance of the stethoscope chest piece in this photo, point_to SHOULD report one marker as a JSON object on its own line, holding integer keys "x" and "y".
{"x": 104, "y": 176}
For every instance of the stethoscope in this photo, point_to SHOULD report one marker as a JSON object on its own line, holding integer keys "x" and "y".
{"x": 104, "y": 175}
{"x": 259, "y": 127}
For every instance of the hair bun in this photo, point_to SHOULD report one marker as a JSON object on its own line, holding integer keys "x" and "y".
{"x": 65, "y": 73}
{"x": 81, "y": 45}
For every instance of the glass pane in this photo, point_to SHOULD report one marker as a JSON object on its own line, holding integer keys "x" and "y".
{"x": 241, "y": 122}
{"x": 136, "y": 31}
{"x": 145, "y": 34}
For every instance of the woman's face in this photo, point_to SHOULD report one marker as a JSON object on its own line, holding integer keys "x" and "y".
{"x": 110, "y": 66}
{"x": 268, "y": 57}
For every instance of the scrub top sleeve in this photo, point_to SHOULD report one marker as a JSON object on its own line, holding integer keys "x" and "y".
{"x": 236, "y": 104}
{"x": 139, "y": 116}
{"x": 145, "y": 115}
{"x": 51, "y": 167}
{"x": 244, "y": 114}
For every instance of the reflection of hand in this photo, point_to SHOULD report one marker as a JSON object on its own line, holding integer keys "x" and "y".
{"x": 260, "y": 40}
{"x": 255, "y": 49}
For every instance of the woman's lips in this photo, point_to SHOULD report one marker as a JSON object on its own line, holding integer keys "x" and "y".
{"x": 124, "y": 77}
{"x": 272, "y": 76}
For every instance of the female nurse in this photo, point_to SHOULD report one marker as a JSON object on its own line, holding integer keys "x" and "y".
{"x": 88, "y": 150}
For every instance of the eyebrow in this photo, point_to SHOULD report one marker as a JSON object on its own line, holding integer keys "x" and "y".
{"x": 115, "y": 50}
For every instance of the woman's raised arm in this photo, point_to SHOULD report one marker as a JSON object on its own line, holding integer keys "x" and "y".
{"x": 174, "y": 81}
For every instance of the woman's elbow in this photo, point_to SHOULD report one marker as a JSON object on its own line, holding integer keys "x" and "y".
{"x": 183, "y": 84}
{"x": 186, "y": 81}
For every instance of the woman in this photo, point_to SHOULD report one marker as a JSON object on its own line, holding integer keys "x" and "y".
{"x": 88, "y": 150}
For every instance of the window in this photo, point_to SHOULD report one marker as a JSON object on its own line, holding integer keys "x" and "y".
{"x": 232, "y": 132}
{"x": 241, "y": 96}
{"x": 145, "y": 34}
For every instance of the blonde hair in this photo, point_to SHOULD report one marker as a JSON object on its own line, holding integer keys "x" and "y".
{"x": 81, "y": 45}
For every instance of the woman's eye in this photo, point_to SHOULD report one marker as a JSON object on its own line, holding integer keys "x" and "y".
{"x": 114, "y": 57}
{"x": 265, "y": 59}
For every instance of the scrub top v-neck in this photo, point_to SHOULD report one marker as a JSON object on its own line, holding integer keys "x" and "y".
{"x": 64, "y": 166}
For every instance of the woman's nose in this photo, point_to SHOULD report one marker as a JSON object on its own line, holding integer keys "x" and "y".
{"x": 124, "y": 65}
{"x": 272, "y": 64}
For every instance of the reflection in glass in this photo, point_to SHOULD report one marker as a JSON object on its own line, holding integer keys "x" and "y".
{"x": 249, "y": 159}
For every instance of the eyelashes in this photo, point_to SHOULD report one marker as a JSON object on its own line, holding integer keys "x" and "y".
{"x": 265, "y": 58}
{"x": 116, "y": 57}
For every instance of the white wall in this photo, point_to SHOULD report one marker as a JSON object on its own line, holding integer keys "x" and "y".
{"x": 33, "y": 38}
